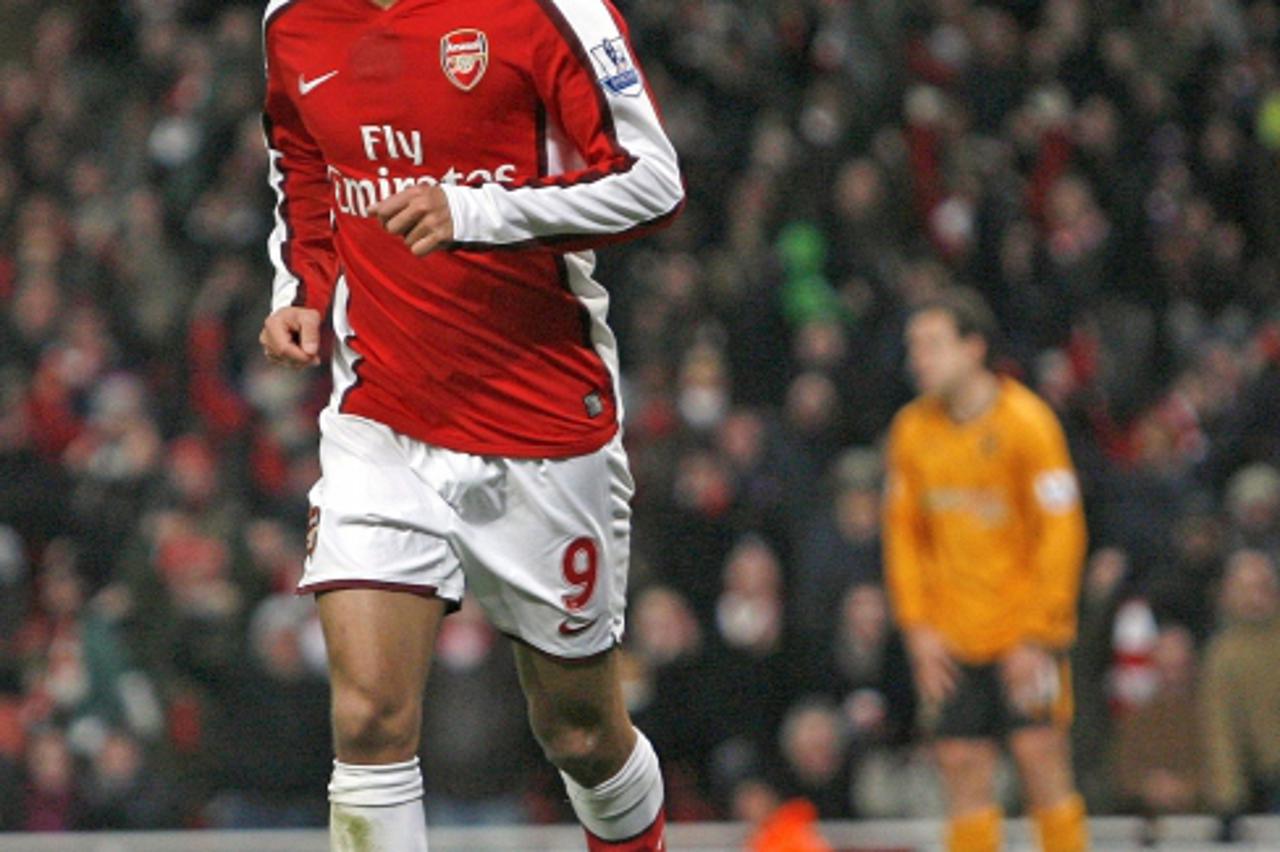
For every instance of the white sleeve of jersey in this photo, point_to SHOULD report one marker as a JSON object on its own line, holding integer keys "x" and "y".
{"x": 645, "y": 192}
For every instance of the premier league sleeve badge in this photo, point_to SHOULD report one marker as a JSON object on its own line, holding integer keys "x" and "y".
{"x": 614, "y": 68}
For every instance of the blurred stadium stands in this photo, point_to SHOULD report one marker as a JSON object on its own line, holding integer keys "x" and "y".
{"x": 1108, "y": 174}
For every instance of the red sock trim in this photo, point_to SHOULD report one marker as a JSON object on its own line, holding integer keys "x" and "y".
{"x": 652, "y": 839}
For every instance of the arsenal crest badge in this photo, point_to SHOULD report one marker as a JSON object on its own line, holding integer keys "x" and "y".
{"x": 464, "y": 56}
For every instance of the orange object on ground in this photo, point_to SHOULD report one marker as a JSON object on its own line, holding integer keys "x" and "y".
{"x": 791, "y": 828}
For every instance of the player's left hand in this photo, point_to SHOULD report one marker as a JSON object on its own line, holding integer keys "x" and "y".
{"x": 1030, "y": 676}
{"x": 419, "y": 214}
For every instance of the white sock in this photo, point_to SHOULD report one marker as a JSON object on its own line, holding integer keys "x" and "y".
{"x": 626, "y": 804}
{"x": 376, "y": 807}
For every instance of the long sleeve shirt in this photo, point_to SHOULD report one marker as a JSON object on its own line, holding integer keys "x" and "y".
{"x": 984, "y": 531}
{"x": 535, "y": 119}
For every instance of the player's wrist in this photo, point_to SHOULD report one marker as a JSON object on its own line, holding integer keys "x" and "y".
{"x": 456, "y": 209}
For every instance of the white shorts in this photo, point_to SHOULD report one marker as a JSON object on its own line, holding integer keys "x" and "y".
{"x": 543, "y": 544}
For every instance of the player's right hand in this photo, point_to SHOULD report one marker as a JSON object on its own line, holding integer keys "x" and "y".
{"x": 936, "y": 671}
{"x": 291, "y": 336}
{"x": 420, "y": 215}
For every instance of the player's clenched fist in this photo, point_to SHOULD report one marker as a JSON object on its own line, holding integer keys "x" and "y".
{"x": 419, "y": 214}
{"x": 291, "y": 336}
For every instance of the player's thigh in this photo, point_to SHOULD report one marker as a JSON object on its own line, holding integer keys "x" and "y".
{"x": 968, "y": 768}
{"x": 577, "y": 711}
{"x": 564, "y": 692}
{"x": 1053, "y": 704}
{"x": 1039, "y": 739}
{"x": 379, "y": 644}
{"x": 548, "y": 559}
{"x": 966, "y": 728}
{"x": 973, "y": 710}
{"x": 375, "y": 520}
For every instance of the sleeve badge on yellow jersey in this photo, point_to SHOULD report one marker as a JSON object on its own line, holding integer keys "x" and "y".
{"x": 1057, "y": 490}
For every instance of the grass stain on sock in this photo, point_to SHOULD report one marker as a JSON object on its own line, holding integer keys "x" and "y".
{"x": 354, "y": 833}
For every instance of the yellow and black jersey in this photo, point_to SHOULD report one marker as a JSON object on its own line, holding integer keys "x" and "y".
{"x": 984, "y": 531}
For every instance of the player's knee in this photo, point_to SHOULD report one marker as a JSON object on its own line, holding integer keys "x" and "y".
{"x": 962, "y": 758}
{"x": 569, "y": 745}
{"x": 1039, "y": 752}
{"x": 1038, "y": 745}
{"x": 969, "y": 772}
{"x": 1043, "y": 762}
{"x": 374, "y": 725}
{"x": 577, "y": 746}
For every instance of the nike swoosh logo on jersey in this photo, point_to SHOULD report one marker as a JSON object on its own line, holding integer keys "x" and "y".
{"x": 305, "y": 86}
{"x": 567, "y": 629}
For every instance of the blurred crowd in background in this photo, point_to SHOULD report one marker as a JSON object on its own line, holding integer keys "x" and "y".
{"x": 1106, "y": 173}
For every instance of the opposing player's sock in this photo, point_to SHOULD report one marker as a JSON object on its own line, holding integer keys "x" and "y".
{"x": 1063, "y": 827}
{"x": 623, "y": 814}
{"x": 376, "y": 807}
{"x": 975, "y": 832}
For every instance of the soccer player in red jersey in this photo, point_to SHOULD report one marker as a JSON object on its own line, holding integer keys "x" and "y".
{"x": 443, "y": 171}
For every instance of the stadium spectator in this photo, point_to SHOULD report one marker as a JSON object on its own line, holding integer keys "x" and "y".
{"x": 1107, "y": 577}
{"x": 12, "y": 745}
{"x": 667, "y": 680}
{"x": 480, "y": 771}
{"x": 121, "y": 792}
{"x": 839, "y": 548}
{"x": 749, "y": 666}
{"x": 690, "y": 526}
{"x": 814, "y": 744}
{"x": 52, "y": 799}
{"x": 1183, "y": 592}
{"x": 75, "y": 664}
{"x": 864, "y": 668}
{"x": 1159, "y": 762}
{"x": 744, "y": 441}
{"x": 262, "y": 754}
{"x": 15, "y": 583}
{"x": 1240, "y": 692}
{"x": 1253, "y": 504}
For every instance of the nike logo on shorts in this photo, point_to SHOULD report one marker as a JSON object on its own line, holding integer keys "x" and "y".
{"x": 305, "y": 86}
{"x": 567, "y": 629}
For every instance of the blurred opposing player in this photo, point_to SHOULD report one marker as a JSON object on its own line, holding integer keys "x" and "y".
{"x": 985, "y": 541}
{"x": 443, "y": 169}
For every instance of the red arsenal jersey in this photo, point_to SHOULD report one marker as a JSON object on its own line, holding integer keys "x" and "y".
{"x": 535, "y": 119}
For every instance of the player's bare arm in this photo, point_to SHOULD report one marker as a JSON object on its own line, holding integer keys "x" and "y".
{"x": 419, "y": 214}
{"x": 291, "y": 337}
